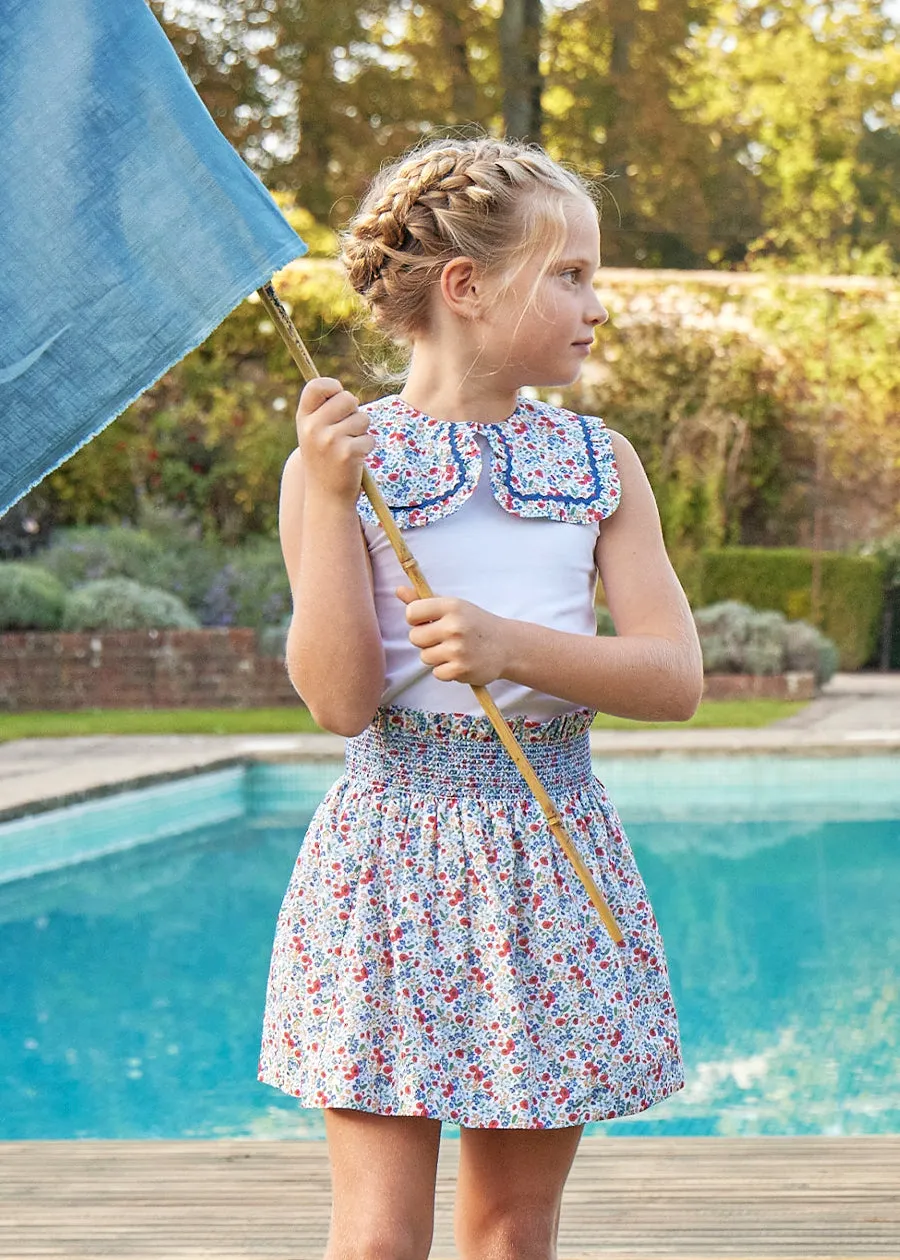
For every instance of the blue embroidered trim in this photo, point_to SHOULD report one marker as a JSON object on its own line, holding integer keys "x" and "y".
{"x": 506, "y": 472}
{"x": 461, "y": 481}
{"x": 414, "y": 455}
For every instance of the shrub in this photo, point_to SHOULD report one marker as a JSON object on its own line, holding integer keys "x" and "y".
{"x": 30, "y": 598}
{"x": 171, "y": 559}
{"x": 780, "y": 578}
{"x": 764, "y": 649}
{"x": 119, "y": 604}
{"x": 807, "y": 650}
{"x": 887, "y": 552}
{"x": 252, "y": 589}
{"x": 724, "y": 630}
{"x": 85, "y": 555}
{"x": 737, "y": 639}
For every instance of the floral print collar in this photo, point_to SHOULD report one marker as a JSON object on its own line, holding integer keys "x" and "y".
{"x": 546, "y": 462}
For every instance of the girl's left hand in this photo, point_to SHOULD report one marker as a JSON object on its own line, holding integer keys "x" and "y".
{"x": 460, "y": 641}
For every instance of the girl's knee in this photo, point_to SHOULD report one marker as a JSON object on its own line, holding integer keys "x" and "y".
{"x": 379, "y": 1240}
{"x": 525, "y": 1233}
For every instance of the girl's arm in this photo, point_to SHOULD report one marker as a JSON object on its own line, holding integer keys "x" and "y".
{"x": 652, "y": 670}
{"x": 335, "y": 657}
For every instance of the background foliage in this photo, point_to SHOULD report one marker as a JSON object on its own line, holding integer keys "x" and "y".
{"x": 780, "y": 578}
{"x": 119, "y": 578}
{"x": 756, "y": 406}
{"x": 746, "y": 135}
{"x": 754, "y": 132}
{"x": 219, "y": 585}
{"x": 738, "y": 639}
{"x": 120, "y": 604}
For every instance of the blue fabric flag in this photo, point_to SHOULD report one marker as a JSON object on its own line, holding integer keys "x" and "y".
{"x": 129, "y": 227}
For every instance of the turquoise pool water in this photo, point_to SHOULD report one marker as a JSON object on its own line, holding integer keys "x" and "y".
{"x": 135, "y": 932}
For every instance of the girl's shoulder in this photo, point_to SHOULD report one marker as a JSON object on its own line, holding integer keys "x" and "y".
{"x": 546, "y": 461}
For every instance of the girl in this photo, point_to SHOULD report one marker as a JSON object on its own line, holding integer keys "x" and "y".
{"x": 436, "y": 957}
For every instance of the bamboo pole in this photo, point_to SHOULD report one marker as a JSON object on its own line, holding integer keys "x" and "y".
{"x": 303, "y": 359}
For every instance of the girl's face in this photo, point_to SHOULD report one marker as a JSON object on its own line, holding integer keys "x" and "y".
{"x": 540, "y": 329}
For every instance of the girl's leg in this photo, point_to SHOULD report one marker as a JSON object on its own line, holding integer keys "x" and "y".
{"x": 510, "y": 1190}
{"x": 383, "y": 1171}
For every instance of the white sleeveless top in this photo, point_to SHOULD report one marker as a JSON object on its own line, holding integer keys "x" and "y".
{"x": 503, "y": 515}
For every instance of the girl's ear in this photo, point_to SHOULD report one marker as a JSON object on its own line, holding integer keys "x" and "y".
{"x": 462, "y": 286}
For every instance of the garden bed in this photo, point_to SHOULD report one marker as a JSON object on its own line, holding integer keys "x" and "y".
{"x": 793, "y": 686}
{"x": 209, "y": 669}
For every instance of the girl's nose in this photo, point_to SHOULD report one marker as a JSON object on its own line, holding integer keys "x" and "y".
{"x": 598, "y": 313}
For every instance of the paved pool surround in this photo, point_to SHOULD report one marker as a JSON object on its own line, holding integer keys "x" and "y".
{"x": 854, "y": 714}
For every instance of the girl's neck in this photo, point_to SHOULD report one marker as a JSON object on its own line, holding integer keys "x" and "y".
{"x": 447, "y": 389}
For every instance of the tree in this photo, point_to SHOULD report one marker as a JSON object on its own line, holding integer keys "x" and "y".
{"x": 442, "y": 73}
{"x": 520, "y": 59}
{"x": 808, "y": 90}
{"x": 281, "y": 81}
{"x": 672, "y": 192}
{"x": 727, "y": 132}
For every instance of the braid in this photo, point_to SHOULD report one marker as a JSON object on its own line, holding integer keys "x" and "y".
{"x": 430, "y": 178}
{"x": 435, "y": 179}
{"x": 448, "y": 199}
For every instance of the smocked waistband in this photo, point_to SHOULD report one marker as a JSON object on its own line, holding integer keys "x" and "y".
{"x": 409, "y": 750}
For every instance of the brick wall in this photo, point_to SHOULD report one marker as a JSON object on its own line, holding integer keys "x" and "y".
{"x": 208, "y": 669}
{"x": 134, "y": 669}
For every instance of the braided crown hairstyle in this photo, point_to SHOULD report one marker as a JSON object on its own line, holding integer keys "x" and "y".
{"x": 494, "y": 201}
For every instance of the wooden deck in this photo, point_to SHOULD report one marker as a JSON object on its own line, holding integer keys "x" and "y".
{"x": 627, "y": 1197}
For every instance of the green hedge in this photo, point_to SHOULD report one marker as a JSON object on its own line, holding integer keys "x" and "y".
{"x": 781, "y": 578}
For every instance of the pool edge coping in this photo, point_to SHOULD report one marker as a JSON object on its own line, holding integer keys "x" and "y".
{"x": 331, "y": 750}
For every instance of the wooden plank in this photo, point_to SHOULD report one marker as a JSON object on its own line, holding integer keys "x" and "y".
{"x": 627, "y": 1198}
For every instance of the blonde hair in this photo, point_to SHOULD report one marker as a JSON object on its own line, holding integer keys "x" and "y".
{"x": 495, "y": 201}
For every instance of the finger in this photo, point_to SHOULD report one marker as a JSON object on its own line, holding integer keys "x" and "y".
{"x": 435, "y": 657}
{"x": 405, "y": 593}
{"x": 427, "y": 635}
{"x": 340, "y": 407}
{"x": 356, "y": 424}
{"x": 362, "y": 446}
{"x": 333, "y": 423}
{"x": 421, "y": 610}
{"x": 316, "y": 392}
{"x": 448, "y": 672}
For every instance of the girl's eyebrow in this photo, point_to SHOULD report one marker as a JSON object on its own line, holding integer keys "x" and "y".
{"x": 583, "y": 263}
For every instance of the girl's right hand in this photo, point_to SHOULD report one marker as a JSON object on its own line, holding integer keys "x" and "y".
{"x": 333, "y": 437}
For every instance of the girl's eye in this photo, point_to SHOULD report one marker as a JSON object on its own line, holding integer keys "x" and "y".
{"x": 572, "y": 274}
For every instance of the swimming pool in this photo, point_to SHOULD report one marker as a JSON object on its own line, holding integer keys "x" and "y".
{"x": 135, "y": 933}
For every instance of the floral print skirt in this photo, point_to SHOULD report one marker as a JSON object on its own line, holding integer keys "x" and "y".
{"x": 437, "y": 955}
